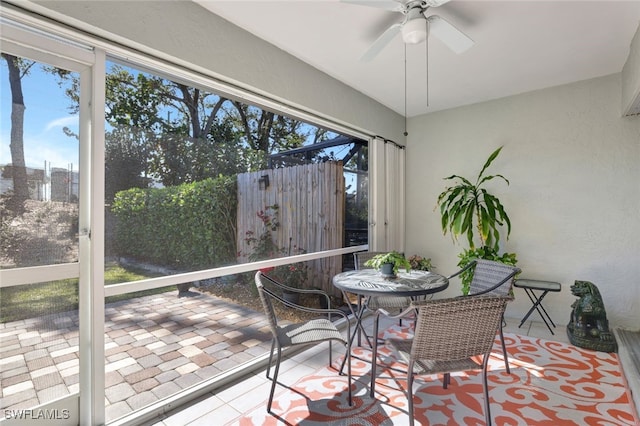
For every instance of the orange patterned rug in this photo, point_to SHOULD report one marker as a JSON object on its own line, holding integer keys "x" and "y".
{"x": 550, "y": 383}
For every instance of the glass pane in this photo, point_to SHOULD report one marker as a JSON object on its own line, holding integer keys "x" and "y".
{"x": 38, "y": 226}
{"x": 196, "y": 181}
{"x": 39, "y": 165}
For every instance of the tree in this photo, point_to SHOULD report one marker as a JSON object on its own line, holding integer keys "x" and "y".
{"x": 125, "y": 162}
{"x": 18, "y": 68}
{"x": 190, "y": 134}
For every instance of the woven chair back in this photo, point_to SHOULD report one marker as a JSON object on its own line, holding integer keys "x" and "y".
{"x": 267, "y": 304}
{"x": 488, "y": 273}
{"x": 457, "y": 328}
{"x": 361, "y": 257}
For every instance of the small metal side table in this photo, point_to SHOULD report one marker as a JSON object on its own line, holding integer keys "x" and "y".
{"x": 544, "y": 287}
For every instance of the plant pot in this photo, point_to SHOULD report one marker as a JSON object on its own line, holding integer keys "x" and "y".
{"x": 184, "y": 287}
{"x": 386, "y": 269}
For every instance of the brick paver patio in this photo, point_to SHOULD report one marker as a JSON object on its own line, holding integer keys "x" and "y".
{"x": 155, "y": 346}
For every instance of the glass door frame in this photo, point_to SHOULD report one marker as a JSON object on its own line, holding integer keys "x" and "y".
{"x": 19, "y": 37}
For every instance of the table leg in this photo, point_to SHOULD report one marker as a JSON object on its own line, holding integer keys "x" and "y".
{"x": 358, "y": 314}
{"x": 537, "y": 304}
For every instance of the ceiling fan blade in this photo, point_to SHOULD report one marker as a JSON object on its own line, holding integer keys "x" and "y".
{"x": 455, "y": 39}
{"x": 392, "y": 5}
{"x": 381, "y": 42}
{"x": 436, "y": 3}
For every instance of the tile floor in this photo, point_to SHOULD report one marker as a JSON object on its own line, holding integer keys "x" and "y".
{"x": 227, "y": 405}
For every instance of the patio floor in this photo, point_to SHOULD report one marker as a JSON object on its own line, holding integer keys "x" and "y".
{"x": 227, "y": 405}
{"x": 155, "y": 346}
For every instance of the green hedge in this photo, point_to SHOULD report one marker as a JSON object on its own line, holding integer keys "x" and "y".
{"x": 191, "y": 226}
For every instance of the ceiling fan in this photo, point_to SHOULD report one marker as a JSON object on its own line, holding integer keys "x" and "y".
{"x": 416, "y": 25}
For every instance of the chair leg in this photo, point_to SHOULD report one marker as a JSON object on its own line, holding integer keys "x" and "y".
{"x": 273, "y": 344}
{"x": 504, "y": 350}
{"x": 446, "y": 379}
{"x": 275, "y": 379}
{"x": 348, "y": 358}
{"x": 410, "y": 392}
{"x": 374, "y": 356}
{"x": 485, "y": 387}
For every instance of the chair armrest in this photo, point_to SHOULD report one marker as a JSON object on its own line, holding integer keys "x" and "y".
{"x": 302, "y": 291}
{"x": 467, "y": 266}
{"x": 507, "y": 278}
{"x": 305, "y": 308}
{"x": 410, "y": 310}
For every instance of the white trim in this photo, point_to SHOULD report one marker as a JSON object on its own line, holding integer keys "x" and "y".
{"x": 151, "y": 283}
{"x": 92, "y": 224}
{"x": 35, "y": 44}
{"x": 38, "y": 274}
{"x": 26, "y": 42}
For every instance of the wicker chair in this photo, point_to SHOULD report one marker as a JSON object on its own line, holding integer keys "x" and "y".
{"x": 309, "y": 332}
{"x": 449, "y": 335}
{"x": 492, "y": 278}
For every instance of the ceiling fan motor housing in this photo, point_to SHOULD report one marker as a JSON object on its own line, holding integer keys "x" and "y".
{"x": 414, "y": 29}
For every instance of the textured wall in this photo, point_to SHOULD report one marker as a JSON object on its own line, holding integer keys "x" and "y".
{"x": 631, "y": 78}
{"x": 574, "y": 198}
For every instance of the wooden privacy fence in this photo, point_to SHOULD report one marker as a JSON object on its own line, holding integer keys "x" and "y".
{"x": 311, "y": 200}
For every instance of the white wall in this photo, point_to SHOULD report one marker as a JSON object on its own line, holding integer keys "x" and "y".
{"x": 631, "y": 78}
{"x": 574, "y": 198}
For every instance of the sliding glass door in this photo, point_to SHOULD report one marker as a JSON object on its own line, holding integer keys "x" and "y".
{"x": 45, "y": 145}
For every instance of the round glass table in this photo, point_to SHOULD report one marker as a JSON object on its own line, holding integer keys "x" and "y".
{"x": 371, "y": 283}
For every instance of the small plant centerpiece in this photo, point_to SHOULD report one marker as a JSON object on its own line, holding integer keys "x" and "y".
{"x": 419, "y": 263}
{"x": 468, "y": 208}
{"x": 389, "y": 263}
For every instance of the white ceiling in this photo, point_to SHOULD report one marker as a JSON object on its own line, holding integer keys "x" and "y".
{"x": 519, "y": 46}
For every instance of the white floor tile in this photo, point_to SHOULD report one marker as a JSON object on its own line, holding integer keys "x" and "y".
{"x": 234, "y": 401}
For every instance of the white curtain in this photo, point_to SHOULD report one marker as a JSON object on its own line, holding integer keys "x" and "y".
{"x": 386, "y": 195}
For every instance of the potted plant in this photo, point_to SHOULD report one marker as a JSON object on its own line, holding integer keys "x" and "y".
{"x": 389, "y": 263}
{"x": 294, "y": 275}
{"x": 469, "y": 209}
{"x": 420, "y": 263}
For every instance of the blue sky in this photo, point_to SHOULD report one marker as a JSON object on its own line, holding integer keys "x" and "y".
{"x": 46, "y": 114}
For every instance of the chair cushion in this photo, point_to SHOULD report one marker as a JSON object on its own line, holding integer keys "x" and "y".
{"x": 313, "y": 331}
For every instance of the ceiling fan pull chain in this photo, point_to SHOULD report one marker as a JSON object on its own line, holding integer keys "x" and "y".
{"x": 426, "y": 59}
{"x": 405, "y": 91}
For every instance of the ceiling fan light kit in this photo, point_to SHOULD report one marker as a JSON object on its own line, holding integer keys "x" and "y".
{"x": 416, "y": 25}
{"x": 415, "y": 28}
{"x": 414, "y": 31}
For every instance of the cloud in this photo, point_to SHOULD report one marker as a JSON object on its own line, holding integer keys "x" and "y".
{"x": 67, "y": 121}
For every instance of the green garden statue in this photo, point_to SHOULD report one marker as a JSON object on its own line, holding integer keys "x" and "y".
{"x": 588, "y": 326}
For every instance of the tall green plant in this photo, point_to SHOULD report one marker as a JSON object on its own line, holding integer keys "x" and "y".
{"x": 465, "y": 203}
{"x": 469, "y": 209}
